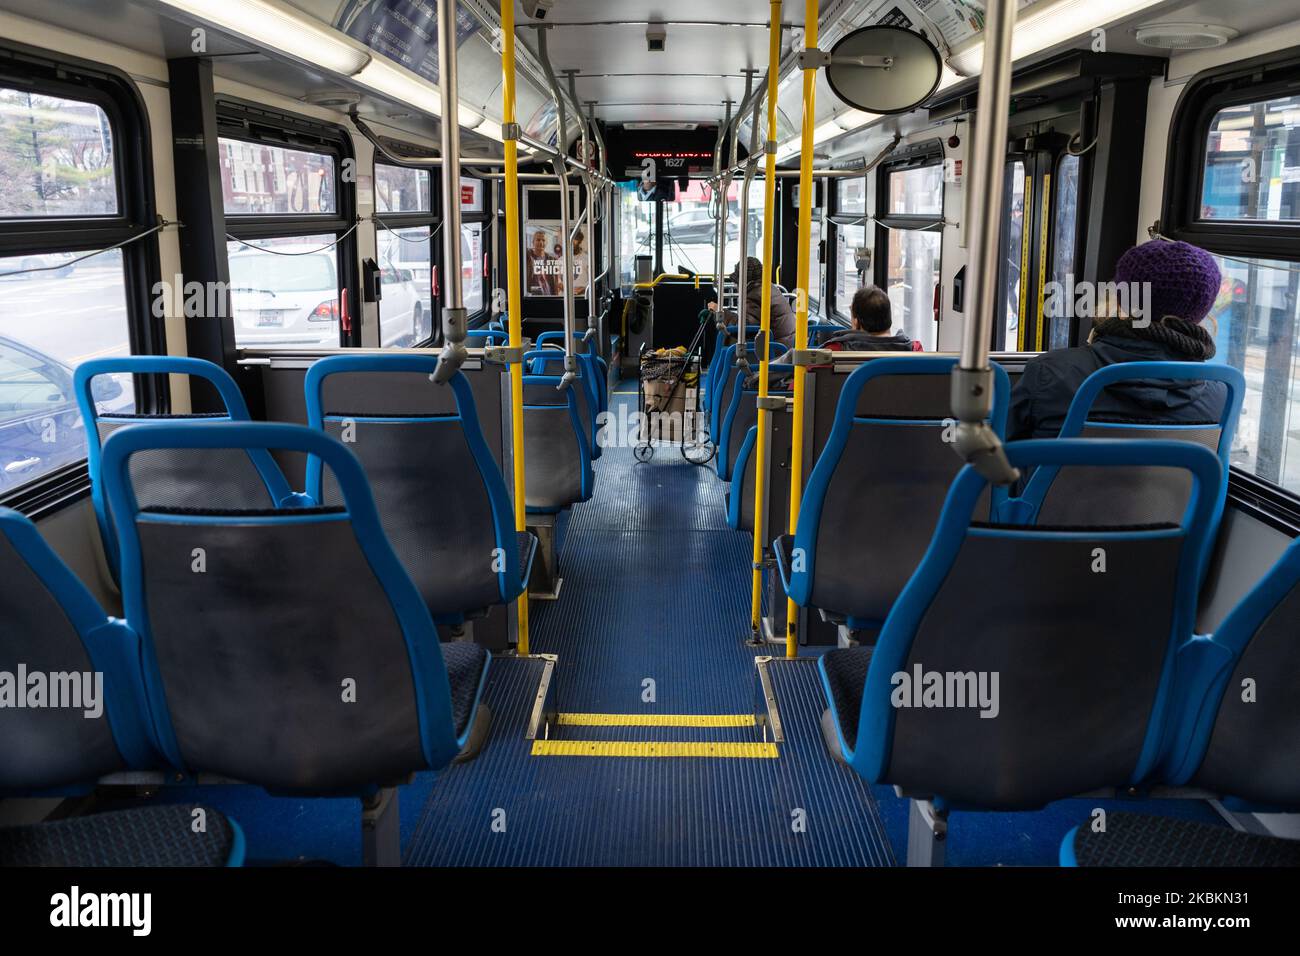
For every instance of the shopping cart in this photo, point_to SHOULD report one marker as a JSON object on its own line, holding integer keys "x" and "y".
{"x": 668, "y": 398}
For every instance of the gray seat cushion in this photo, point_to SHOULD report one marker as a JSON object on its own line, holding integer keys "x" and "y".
{"x": 146, "y": 836}
{"x": 465, "y": 663}
{"x": 846, "y": 673}
{"x": 1133, "y": 839}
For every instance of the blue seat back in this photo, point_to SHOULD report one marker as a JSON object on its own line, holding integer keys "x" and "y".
{"x": 548, "y": 361}
{"x": 740, "y": 414}
{"x": 585, "y": 348}
{"x": 875, "y": 493}
{"x": 721, "y": 339}
{"x": 416, "y": 440}
{"x": 248, "y": 481}
{"x": 487, "y": 337}
{"x": 728, "y": 374}
{"x": 285, "y": 647}
{"x": 556, "y": 453}
{"x": 1238, "y": 728}
{"x": 56, "y": 641}
{"x": 818, "y": 332}
{"x": 1082, "y": 645}
{"x": 1131, "y": 496}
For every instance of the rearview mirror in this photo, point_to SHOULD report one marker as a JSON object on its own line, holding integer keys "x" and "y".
{"x": 883, "y": 69}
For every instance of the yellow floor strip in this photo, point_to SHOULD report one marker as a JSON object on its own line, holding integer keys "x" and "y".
{"x": 657, "y": 720}
{"x": 650, "y": 748}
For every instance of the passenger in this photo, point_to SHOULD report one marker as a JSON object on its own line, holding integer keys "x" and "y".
{"x": 872, "y": 326}
{"x": 1183, "y": 282}
{"x": 782, "y": 324}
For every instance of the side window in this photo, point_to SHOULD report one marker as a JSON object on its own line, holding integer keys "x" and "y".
{"x": 852, "y": 256}
{"x": 1065, "y": 224}
{"x": 1014, "y": 252}
{"x": 64, "y": 198}
{"x": 910, "y": 238}
{"x": 404, "y": 228}
{"x": 286, "y": 225}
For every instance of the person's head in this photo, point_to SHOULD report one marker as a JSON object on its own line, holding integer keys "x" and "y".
{"x": 539, "y": 243}
{"x": 871, "y": 311}
{"x": 1183, "y": 279}
{"x": 579, "y": 240}
{"x": 753, "y": 271}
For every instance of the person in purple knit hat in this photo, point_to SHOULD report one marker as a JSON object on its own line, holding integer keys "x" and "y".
{"x": 1173, "y": 286}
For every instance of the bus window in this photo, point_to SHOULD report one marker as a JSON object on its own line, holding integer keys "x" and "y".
{"x": 1251, "y": 162}
{"x": 1064, "y": 232}
{"x": 912, "y": 204}
{"x": 284, "y": 289}
{"x": 471, "y": 266}
{"x": 403, "y": 238}
{"x": 636, "y": 233}
{"x": 852, "y": 257}
{"x": 1013, "y": 231}
{"x": 57, "y": 308}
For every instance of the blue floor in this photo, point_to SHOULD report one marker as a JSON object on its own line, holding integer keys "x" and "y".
{"x": 656, "y": 588}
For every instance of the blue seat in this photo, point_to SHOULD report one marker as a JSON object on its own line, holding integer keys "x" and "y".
{"x": 416, "y": 441}
{"x": 247, "y": 481}
{"x": 1083, "y": 658}
{"x": 875, "y": 494}
{"x": 53, "y": 625}
{"x": 144, "y": 836}
{"x": 1129, "y": 496}
{"x": 1237, "y": 731}
{"x": 721, "y": 339}
{"x": 820, "y": 331}
{"x": 537, "y": 361}
{"x": 585, "y": 349}
{"x": 556, "y": 454}
{"x": 285, "y": 647}
{"x": 740, "y": 416}
{"x": 486, "y": 337}
{"x": 725, "y": 378}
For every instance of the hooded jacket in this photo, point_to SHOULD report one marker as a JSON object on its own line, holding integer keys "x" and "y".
{"x": 783, "y": 327}
{"x": 855, "y": 340}
{"x": 1041, "y": 398}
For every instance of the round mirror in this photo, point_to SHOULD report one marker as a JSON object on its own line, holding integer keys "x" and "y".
{"x": 883, "y": 69}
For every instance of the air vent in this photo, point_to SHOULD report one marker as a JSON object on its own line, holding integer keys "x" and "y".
{"x": 662, "y": 125}
{"x": 334, "y": 99}
{"x": 1184, "y": 36}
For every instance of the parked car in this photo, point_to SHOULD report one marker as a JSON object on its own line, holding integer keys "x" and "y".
{"x": 40, "y": 425}
{"x": 294, "y": 300}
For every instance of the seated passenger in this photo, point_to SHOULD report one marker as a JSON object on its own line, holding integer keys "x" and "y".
{"x": 1183, "y": 282}
{"x": 872, "y": 326}
{"x": 782, "y": 324}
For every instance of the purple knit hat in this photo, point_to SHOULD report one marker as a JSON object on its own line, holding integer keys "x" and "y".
{"x": 1184, "y": 278}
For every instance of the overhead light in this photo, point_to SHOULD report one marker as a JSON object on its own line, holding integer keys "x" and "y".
{"x": 1041, "y": 29}
{"x": 395, "y": 82}
{"x": 1184, "y": 36}
{"x": 491, "y": 129}
{"x": 853, "y": 119}
{"x": 272, "y": 25}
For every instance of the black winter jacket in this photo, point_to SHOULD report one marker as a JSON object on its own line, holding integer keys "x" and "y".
{"x": 1041, "y": 398}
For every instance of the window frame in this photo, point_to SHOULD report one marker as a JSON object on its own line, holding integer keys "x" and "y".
{"x": 397, "y": 221}
{"x": 249, "y": 122}
{"x": 49, "y": 73}
{"x": 836, "y": 220}
{"x": 920, "y": 156}
{"x": 1234, "y": 84}
{"x": 484, "y": 219}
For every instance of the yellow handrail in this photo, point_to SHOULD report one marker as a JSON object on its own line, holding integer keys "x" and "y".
{"x": 769, "y": 206}
{"x": 514, "y": 303}
{"x": 801, "y": 302}
{"x": 672, "y": 275}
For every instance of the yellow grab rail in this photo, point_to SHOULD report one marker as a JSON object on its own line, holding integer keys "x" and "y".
{"x": 801, "y": 302}
{"x": 769, "y": 204}
{"x": 513, "y": 278}
{"x": 672, "y": 275}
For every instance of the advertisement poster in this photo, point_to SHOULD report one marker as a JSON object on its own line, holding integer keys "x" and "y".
{"x": 544, "y": 259}
{"x": 405, "y": 31}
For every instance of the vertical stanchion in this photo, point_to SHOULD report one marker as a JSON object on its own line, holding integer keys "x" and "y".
{"x": 514, "y": 304}
{"x": 769, "y": 204}
{"x": 801, "y": 300}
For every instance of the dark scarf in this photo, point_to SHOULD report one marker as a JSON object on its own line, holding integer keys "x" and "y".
{"x": 1186, "y": 339}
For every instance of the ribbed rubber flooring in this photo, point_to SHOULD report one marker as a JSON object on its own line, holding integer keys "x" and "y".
{"x": 656, "y": 588}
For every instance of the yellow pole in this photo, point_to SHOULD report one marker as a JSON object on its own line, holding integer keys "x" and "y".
{"x": 513, "y": 303}
{"x": 801, "y": 302}
{"x": 769, "y": 206}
